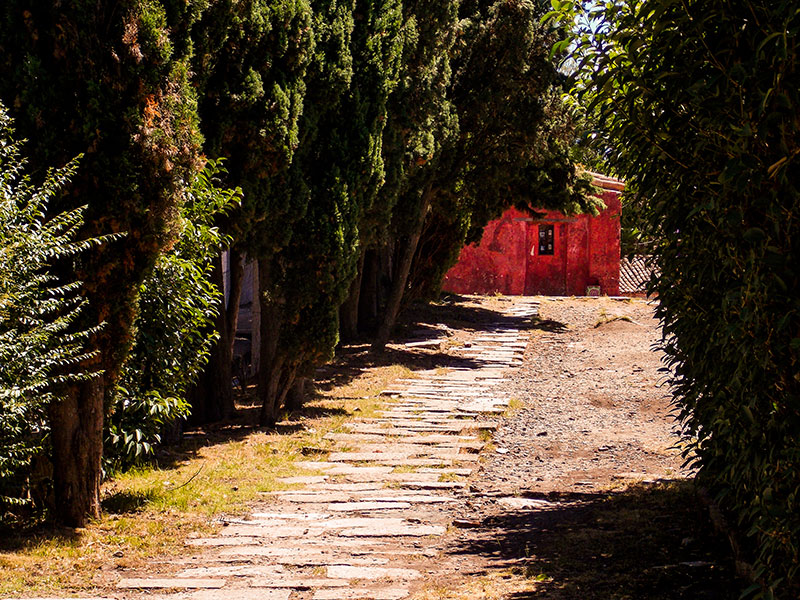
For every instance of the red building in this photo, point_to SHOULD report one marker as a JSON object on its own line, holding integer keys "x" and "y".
{"x": 551, "y": 255}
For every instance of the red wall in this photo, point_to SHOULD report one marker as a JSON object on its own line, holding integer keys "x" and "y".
{"x": 586, "y": 252}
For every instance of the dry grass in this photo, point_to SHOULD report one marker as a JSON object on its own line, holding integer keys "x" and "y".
{"x": 498, "y": 585}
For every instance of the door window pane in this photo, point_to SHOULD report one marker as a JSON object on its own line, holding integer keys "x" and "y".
{"x": 546, "y": 239}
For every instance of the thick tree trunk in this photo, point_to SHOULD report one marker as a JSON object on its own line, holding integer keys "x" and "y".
{"x": 77, "y": 440}
{"x": 401, "y": 276}
{"x": 212, "y": 396}
{"x": 368, "y": 300}
{"x": 271, "y": 370}
{"x": 349, "y": 311}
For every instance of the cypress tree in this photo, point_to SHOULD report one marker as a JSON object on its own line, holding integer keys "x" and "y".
{"x": 337, "y": 173}
{"x": 110, "y": 80}
{"x": 506, "y": 145}
{"x": 251, "y": 60}
{"x": 421, "y": 121}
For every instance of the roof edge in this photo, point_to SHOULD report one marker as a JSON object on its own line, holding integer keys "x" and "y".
{"x": 606, "y": 183}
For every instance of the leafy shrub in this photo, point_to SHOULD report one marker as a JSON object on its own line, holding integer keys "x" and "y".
{"x": 38, "y": 347}
{"x": 697, "y": 103}
{"x": 177, "y": 305}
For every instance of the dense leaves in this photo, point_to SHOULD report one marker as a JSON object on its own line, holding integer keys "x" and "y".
{"x": 697, "y": 108}
{"x": 176, "y": 308}
{"x": 111, "y": 80}
{"x": 38, "y": 346}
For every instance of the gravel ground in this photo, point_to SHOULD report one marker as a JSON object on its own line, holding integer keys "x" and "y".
{"x": 595, "y": 412}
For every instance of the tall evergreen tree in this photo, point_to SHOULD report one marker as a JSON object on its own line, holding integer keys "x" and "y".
{"x": 503, "y": 145}
{"x": 421, "y": 121}
{"x": 337, "y": 173}
{"x": 251, "y": 60}
{"x": 110, "y": 81}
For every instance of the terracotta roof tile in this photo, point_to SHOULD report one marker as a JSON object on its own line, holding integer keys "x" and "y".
{"x": 634, "y": 273}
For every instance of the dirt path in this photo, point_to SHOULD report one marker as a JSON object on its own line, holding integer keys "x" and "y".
{"x": 368, "y": 520}
{"x": 584, "y": 495}
{"x": 532, "y": 458}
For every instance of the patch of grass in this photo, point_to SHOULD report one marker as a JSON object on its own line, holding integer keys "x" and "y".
{"x": 605, "y": 317}
{"x": 514, "y": 404}
{"x": 450, "y": 477}
{"x": 405, "y": 469}
{"x": 485, "y": 435}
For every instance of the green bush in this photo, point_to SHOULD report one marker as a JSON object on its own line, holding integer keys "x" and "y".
{"x": 177, "y": 306}
{"x": 697, "y": 106}
{"x": 38, "y": 346}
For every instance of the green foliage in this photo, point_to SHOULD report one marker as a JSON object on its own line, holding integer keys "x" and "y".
{"x": 511, "y": 143}
{"x": 344, "y": 121}
{"x": 251, "y": 61}
{"x": 110, "y": 81}
{"x": 38, "y": 345}
{"x": 177, "y": 306}
{"x": 697, "y": 108}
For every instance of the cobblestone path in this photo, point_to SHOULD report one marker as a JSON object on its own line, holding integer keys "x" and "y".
{"x": 366, "y": 523}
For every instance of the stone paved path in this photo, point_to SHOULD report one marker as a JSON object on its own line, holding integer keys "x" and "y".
{"x": 368, "y": 521}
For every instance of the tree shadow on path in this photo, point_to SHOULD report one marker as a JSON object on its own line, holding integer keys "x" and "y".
{"x": 649, "y": 542}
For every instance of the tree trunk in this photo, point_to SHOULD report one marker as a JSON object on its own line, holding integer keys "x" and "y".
{"x": 271, "y": 367}
{"x": 368, "y": 300}
{"x": 296, "y": 396}
{"x": 236, "y": 271}
{"x": 77, "y": 440}
{"x": 255, "y": 322}
{"x": 211, "y": 397}
{"x": 348, "y": 312}
{"x": 401, "y": 276}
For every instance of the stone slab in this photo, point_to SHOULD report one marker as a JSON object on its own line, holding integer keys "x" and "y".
{"x": 412, "y": 498}
{"x": 350, "y": 486}
{"x": 368, "y": 506}
{"x": 304, "y": 516}
{"x": 422, "y": 462}
{"x": 341, "y": 469}
{"x": 285, "y": 531}
{"x": 237, "y": 593}
{"x": 391, "y": 477}
{"x": 303, "y": 480}
{"x": 405, "y": 430}
{"x": 299, "y": 583}
{"x": 305, "y": 558}
{"x": 526, "y": 503}
{"x": 432, "y": 485}
{"x": 222, "y": 541}
{"x": 169, "y": 582}
{"x": 403, "y": 531}
{"x": 411, "y": 458}
{"x": 316, "y": 465}
{"x": 372, "y": 573}
{"x": 232, "y": 571}
{"x": 393, "y": 593}
{"x": 461, "y": 472}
